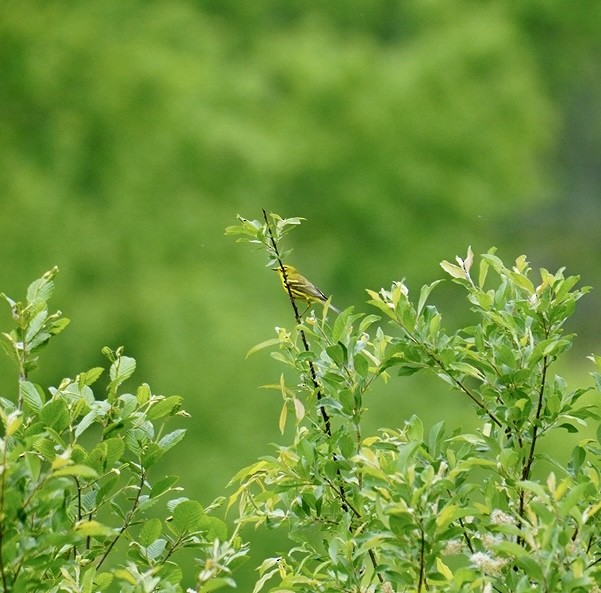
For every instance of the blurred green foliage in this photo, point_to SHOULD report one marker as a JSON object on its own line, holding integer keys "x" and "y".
{"x": 133, "y": 132}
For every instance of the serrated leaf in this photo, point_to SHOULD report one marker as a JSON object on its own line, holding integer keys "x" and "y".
{"x": 171, "y": 439}
{"x": 150, "y": 531}
{"x": 35, "y": 325}
{"x": 90, "y": 377}
{"x": 155, "y": 549}
{"x": 40, "y": 290}
{"x": 122, "y": 369}
{"x": 55, "y": 414}
{"x": 187, "y": 516}
{"x": 29, "y": 393}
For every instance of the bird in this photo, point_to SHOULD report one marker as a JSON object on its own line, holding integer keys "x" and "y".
{"x": 300, "y": 288}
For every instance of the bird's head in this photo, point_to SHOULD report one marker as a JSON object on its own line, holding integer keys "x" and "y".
{"x": 288, "y": 269}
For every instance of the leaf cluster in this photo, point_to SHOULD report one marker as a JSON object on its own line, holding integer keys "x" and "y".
{"x": 412, "y": 510}
{"x": 83, "y": 507}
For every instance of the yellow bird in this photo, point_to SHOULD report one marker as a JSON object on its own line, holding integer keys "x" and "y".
{"x": 302, "y": 289}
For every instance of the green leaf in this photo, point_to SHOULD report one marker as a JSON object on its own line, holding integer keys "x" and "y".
{"x": 453, "y": 270}
{"x": 31, "y": 394}
{"x": 213, "y": 527}
{"x": 87, "y": 582}
{"x": 103, "y": 580}
{"x": 40, "y": 290}
{"x": 466, "y": 369}
{"x": 187, "y": 516}
{"x": 152, "y": 453}
{"x": 35, "y": 325}
{"x": 121, "y": 370}
{"x": 150, "y": 531}
{"x": 155, "y": 549}
{"x": 448, "y": 514}
{"x": 55, "y": 414}
{"x": 415, "y": 429}
{"x": 164, "y": 407}
{"x": 81, "y": 471}
{"x": 93, "y": 529}
{"x": 89, "y": 377}
{"x": 218, "y": 583}
{"x": 425, "y": 293}
{"x": 105, "y": 455}
{"x": 263, "y": 345}
{"x": 341, "y": 325}
{"x": 361, "y": 365}
{"x": 337, "y": 352}
{"x": 163, "y": 485}
{"x": 143, "y": 394}
{"x": 171, "y": 439}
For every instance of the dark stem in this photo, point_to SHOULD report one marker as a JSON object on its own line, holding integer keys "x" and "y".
{"x": 345, "y": 505}
{"x": 324, "y": 413}
{"x": 460, "y": 385}
{"x": 530, "y": 460}
{"x": 128, "y": 519}
{"x": 541, "y": 393}
{"x": 422, "y": 553}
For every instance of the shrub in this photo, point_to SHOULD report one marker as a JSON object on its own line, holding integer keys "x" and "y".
{"x": 81, "y": 509}
{"x": 410, "y": 510}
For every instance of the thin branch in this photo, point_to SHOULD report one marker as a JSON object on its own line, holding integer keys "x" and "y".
{"x": 541, "y": 393}
{"x": 316, "y": 385}
{"x": 344, "y": 503}
{"x": 128, "y": 519}
{"x": 459, "y": 384}
{"x": 422, "y": 567}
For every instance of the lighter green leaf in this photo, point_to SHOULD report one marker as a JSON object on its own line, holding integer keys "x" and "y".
{"x": 187, "y": 516}
{"x": 30, "y": 395}
{"x": 425, "y": 293}
{"x": 172, "y": 438}
{"x": 164, "y": 407}
{"x": 122, "y": 368}
{"x": 453, "y": 270}
{"x": 150, "y": 531}
{"x": 81, "y": 471}
{"x": 93, "y": 528}
{"x": 263, "y": 345}
{"x": 449, "y": 513}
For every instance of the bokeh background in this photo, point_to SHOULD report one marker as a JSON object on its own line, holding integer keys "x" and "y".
{"x": 133, "y": 132}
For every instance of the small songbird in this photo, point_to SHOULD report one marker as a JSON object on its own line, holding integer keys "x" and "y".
{"x": 302, "y": 289}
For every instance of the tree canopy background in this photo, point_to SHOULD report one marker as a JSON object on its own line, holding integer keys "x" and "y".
{"x": 133, "y": 132}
